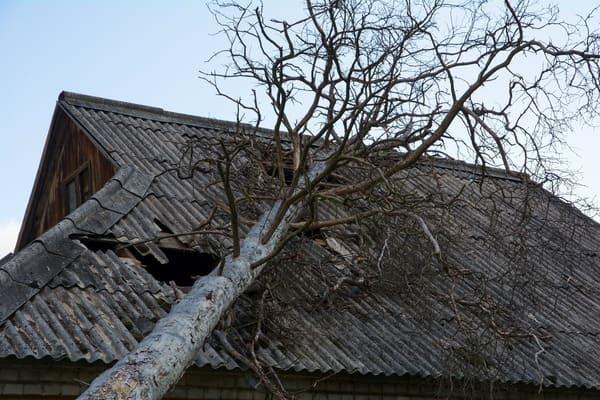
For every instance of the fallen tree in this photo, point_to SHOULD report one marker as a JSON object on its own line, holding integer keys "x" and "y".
{"x": 380, "y": 85}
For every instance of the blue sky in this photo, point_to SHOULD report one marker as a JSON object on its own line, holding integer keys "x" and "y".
{"x": 147, "y": 52}
{"x": 140, "y": 51}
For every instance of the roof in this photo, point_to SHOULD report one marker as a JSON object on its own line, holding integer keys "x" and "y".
{"x": 62, "y": 298}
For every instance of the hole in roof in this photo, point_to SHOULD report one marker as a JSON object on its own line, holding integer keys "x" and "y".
{"x": 97, "y": 243}
{"x": 163, "y": 228}
{"x": 183, "y": 267}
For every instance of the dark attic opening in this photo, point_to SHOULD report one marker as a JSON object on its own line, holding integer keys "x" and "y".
{"x": 180, "y": 266}
{"x": 184, "y": 266}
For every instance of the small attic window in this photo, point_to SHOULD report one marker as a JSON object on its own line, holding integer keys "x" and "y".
{"x": 77, "y": 188}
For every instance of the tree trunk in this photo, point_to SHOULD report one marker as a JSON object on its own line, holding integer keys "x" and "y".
{"x": 161, "y": 358}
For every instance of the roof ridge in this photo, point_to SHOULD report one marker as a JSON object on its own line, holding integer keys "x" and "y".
{"x": 160, "y": 114}
{"x": 464, "y": 166}
{"x": 146, "y": 112}
{"x": 85, "y": 99}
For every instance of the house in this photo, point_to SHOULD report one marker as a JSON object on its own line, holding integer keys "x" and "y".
{"x": 87, "y": 280}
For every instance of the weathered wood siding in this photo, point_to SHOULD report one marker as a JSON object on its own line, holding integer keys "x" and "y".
{"x": 67, "y": 150}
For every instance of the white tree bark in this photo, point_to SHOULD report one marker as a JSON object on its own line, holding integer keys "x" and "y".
{"x": 161, "y": 358}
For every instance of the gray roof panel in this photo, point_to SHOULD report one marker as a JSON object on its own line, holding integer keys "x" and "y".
{"x": 94, "y": 305}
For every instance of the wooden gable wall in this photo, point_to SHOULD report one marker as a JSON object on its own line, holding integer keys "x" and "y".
{"x": 67, "y": 150}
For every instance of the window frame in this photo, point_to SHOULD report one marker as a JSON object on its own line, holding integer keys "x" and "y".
{"x": 76, "y": 178}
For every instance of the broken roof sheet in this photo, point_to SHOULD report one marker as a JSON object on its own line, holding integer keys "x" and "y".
{"x": 92, "y": 305}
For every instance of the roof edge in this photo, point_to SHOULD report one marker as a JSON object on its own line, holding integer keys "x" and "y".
{"x": 19, "y": 245}
{"x": 30, "y": 269}
{"x": 148, "y": 112}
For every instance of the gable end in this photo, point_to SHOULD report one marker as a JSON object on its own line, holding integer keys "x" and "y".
{"x": 69, "y": 156}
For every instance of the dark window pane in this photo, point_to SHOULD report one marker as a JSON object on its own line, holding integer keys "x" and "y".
{"x": 84, "y": 185}
{"x": 71, "y": 195}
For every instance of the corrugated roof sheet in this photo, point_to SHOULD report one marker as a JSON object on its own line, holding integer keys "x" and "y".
{"x": 94, "y": 305}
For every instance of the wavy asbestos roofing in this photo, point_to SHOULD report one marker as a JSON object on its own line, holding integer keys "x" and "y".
{"x": 62, "y": 299}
